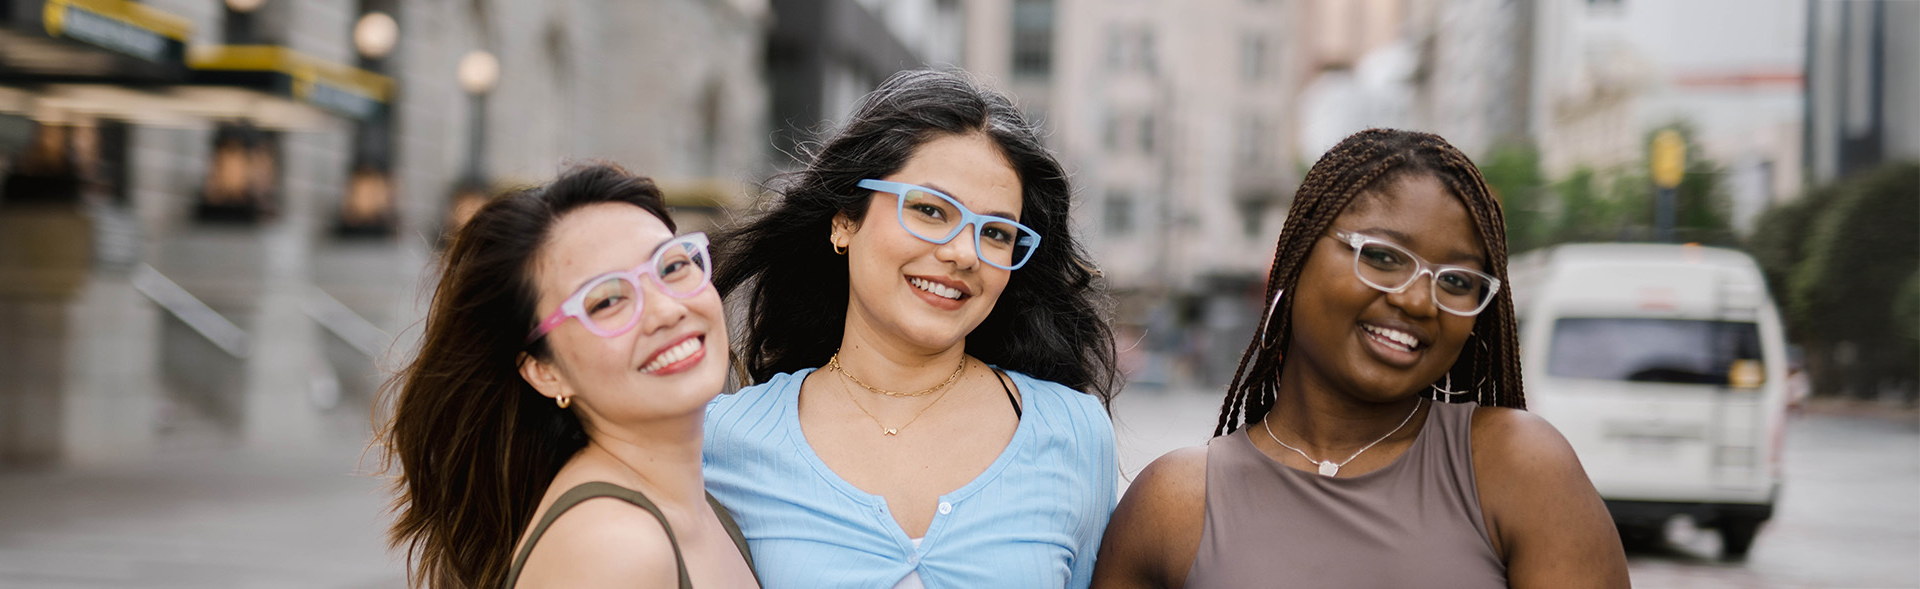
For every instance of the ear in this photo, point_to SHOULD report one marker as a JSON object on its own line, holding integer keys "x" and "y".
{"x": 843, "y": 230}
{"x": 544, "y": 377}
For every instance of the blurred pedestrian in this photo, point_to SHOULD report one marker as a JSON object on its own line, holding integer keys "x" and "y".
{"x": 1356, "y": 465}
{"x": 932, "y": 358}
{"x": 548, "y": 433}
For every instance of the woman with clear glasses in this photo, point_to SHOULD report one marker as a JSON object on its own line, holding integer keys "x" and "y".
{"x": 931, "y": 354}
{"x": 548, "y": 433}
{"x": 1375, "y": 434}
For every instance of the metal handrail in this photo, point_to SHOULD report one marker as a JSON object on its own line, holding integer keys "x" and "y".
{"x": 189, "y": 310}
{"x": 349, "y": 326}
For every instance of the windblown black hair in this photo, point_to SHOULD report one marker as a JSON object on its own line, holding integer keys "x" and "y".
{"x": 1051, "y": 323}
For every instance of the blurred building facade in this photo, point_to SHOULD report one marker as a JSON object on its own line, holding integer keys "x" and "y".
{"x": 216, "y": 212}
{"x": 1174, "y": 118}
{"x": 1863, "y": 75}
{"x": 1609, "y": 72}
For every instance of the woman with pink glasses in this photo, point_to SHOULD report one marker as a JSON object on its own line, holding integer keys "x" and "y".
{"x": 548, "y": 434}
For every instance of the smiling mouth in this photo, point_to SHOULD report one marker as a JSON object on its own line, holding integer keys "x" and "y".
{"x": 674, "y": 355}
{"x": 939, "y": 290}
{"x": 1392, "y": 338}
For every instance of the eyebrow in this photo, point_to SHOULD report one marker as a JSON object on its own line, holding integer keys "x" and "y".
{"x": 1455, "y": 257}
{"x": 949, "y": 193}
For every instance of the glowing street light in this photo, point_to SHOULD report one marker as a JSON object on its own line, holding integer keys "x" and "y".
{"x": 375, "y": 35}
{"x": 479, "y": 72}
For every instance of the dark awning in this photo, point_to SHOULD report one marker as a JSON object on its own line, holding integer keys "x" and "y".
{"x": 278, "y": 70}
{"x": 91, "y": 41}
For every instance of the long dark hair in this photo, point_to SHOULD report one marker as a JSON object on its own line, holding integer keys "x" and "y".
{"x": 1052, "y": 321}
{"x": 1363, "y": 163}
{"x": 477, "y": 445}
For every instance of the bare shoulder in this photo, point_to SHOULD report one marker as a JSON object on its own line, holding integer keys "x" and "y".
{"x": 1519, "y": 458}
{"x": 1543, "y": 515}
{"x": 1155, "y": 531}
{"x": 602, "y": 542}
{"x": 1516, "y": 443}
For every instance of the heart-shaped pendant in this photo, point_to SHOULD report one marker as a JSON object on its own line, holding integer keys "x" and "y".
{"x": 1328, "y": 468}
{"x": 892, "y": 432}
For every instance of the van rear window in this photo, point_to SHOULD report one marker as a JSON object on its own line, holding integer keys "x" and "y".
{"x": 1652, "y": 350}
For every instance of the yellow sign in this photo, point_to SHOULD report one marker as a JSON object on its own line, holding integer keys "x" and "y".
{"x": 1668, "y": 158}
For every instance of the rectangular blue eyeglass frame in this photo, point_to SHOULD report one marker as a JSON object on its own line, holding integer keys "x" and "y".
{"x": 1028, "y": 238}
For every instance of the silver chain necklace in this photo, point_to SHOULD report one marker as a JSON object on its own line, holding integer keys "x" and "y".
{"x": 1328, "y": 467}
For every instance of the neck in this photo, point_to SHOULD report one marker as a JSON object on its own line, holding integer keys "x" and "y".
{"x": 663, "y": 457}
{"x": 886, "y": 363}
{"x": 1329, "y": 421}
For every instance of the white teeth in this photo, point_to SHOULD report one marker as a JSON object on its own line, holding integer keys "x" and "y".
{"x": 674, "y": 354}
{"x": 935, "y": 288}
{"x": 1405, "y": 339}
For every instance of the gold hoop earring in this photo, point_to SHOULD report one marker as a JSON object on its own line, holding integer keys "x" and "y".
{"x": 839, "y": 249}
{"x": 563, "y": 401}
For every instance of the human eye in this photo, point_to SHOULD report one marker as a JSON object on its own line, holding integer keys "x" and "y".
{"x": 997, "y": 234}
{"x": 607, "y": 297}
{"x": 1459, "y": 282}
{"x": 1381, "y": 256}
{"x": 672, "y": 268}
{"x": 927, "y": 210}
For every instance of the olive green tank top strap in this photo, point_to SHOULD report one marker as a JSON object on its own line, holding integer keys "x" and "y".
{"x": 733, "y": 531}
{"x": 595, "y": 490}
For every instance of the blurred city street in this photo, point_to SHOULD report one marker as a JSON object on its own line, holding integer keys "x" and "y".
{"x": 220, "y": 220}
{"x": 246, "y": 518}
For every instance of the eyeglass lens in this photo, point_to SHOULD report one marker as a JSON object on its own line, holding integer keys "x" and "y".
{"x": 613, "y": 303}
{"x": 934, "y": 218}
{"x": 1390, "y": 268}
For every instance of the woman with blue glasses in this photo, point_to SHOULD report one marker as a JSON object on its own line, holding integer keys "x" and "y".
{"x": 931, "y": 353}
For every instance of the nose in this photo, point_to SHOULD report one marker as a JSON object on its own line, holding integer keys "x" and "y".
{"x": 1417, "y": 298}
{"x": 660, "y": 310}
{"x": 962, "y": 251}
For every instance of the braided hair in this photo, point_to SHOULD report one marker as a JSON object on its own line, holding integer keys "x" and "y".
{"x": 1360, "y": 165}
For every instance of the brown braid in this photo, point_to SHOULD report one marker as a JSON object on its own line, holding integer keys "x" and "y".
{"x": 1489, "y": 363}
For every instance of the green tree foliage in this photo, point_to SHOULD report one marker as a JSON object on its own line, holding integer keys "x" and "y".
{"x": 1844, "y": 262}
{"x": 1612, "y": 204}
{"x": 1513, "y": 172}
{"x": 1859, "y": 255}
{"x": 1778, "y": 244}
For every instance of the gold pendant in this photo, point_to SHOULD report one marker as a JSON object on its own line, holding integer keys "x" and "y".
{"x": 891, "y": 431}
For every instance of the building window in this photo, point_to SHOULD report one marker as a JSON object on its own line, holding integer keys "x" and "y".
{"x": 1252, "y": 143}
{"x": 1253, "y": 57}
{"x": 1253, "y": 207}
{"x": 1147, "y": 135}
{"x": 1119, "y": 214}
{"x": 1110, "y": 133}
{"x": 1148, "y": 63}
{"x": 1033, "y": 38}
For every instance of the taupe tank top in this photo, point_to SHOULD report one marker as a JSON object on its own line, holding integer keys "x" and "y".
{"x": 585, "y": 491}
{"x": 1414, "y": 523}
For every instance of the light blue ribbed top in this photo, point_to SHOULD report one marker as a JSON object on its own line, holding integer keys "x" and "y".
{"x": 1032, "y": 519}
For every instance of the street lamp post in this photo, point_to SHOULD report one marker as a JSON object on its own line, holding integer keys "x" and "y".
{"x": 478, "y": 73}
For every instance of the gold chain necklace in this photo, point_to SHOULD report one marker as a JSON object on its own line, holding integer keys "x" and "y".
{"x": 835, "y": 363}
{"x": 894, "y": 431}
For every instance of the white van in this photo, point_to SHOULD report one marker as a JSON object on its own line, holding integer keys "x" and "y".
{"x": 1666, "y": 368}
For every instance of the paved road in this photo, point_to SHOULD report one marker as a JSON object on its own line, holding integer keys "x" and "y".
{"x": 1849, "y": 515}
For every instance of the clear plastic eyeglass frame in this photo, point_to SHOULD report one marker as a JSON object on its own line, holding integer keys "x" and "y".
{"x": 1027, "y": 237}
{"x": 1358, "y": 242}
{"x": 575, "y": 306}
